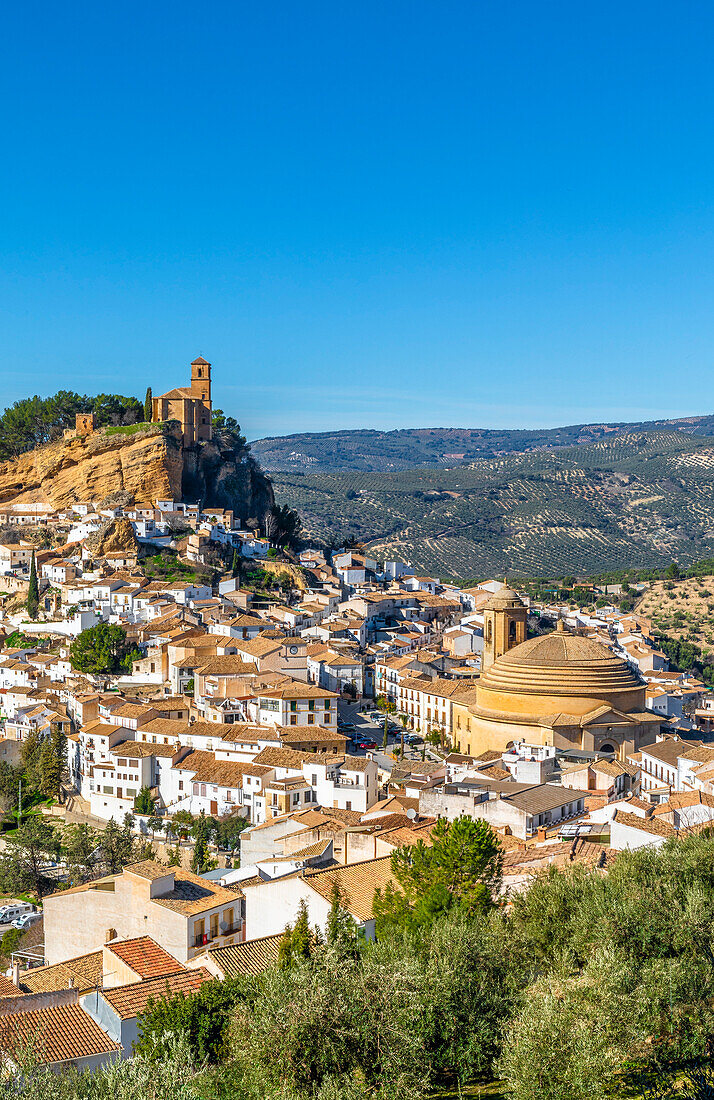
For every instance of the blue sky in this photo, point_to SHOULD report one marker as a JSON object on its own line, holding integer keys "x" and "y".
{"x": 384, "y": 214}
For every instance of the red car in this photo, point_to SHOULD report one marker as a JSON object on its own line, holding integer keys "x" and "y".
{"x": 368, "y": 743}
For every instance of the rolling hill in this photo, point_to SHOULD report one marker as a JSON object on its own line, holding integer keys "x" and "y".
{"x": 440, "y": 447}
{"x": 630, "y": 498}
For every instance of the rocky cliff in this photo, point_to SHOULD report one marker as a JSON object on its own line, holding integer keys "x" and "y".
{"x": 138, "y": 464}
{"x": 145, "y": 463}
{"x": 223, "y": 474}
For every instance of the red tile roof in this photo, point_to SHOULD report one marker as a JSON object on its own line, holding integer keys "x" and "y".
{"x": 145, "y": 957}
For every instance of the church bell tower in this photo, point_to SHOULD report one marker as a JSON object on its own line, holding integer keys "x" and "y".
{"x": 504, "y": 625}
{"x": 201, "y": 394}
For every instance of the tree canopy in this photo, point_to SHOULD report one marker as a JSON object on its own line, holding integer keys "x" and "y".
{"x": 36, "y": 420}
{"x": 461, "y": 867}
{"x": 102, "y": 649}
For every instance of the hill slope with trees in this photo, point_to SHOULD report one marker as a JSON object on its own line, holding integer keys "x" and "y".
{"x": 632, "y": 499}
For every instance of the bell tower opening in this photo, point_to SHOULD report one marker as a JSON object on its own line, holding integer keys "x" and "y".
{"x": 504, "y": 625}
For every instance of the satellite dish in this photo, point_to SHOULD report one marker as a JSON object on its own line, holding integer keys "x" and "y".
{"x": 411, "y": 814}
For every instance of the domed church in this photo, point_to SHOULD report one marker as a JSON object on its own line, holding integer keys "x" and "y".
{"x": 558, "y": 689}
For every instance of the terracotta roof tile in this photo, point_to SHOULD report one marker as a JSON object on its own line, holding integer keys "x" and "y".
{"x": 145, "y": 957}
{"x": 251, "y": 957}
{"x": 129, "y": 1000}
{"x": 82, "y": 973}
{"x": 63, "y": 1033}
{"x": 8, "y": 988}
{"x": 192, "y": 895}
{"x": 357, "y": 882}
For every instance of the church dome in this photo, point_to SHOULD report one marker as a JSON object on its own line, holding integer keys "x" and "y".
{"x": 504, "y": 600}
{"x": 560, "y": 664}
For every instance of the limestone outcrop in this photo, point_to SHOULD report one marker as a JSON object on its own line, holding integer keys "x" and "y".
{"x": 116, "y": 537}
{"x": 147, "y": 464}
{"x": 139, "y": 464}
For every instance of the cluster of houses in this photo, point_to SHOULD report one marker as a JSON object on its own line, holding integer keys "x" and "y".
{"x": 235, "y": 707}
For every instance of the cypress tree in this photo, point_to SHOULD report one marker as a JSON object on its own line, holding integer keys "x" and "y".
{"x": 33, "y": 592}
{"x": 148, "y": 405}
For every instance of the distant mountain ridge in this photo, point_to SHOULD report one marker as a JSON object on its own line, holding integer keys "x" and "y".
{"x": 407, "y": 448}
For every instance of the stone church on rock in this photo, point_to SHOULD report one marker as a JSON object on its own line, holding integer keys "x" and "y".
{"x": 190, "y": 405}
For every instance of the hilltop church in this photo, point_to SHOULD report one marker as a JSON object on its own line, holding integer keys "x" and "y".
{"x": 190, "y": 405}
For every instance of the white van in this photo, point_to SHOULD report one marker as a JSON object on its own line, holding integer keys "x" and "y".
{"x": 9, "y": 913}
{"x": 26, "y": 921}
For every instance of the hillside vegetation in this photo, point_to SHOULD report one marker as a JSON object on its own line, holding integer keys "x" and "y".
{"x": 633, "y": 499}
{"x": 409, "y": 447}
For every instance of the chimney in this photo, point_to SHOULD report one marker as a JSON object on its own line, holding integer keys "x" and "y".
{"x": 110, "y": 934}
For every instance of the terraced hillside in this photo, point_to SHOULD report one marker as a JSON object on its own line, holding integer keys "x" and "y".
{"x": 633, "y": 499}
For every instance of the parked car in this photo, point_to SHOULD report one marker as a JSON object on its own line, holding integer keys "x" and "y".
{"x": 367, "y": 743}
{"x": 26, "y": 921}
{"x": 10, "y": 913}
{"x": 412, "y": 738}
{"x": 346, "y": 727}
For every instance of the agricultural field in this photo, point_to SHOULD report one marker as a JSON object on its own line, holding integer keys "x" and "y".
{"x": 633, "y": 499}
{"x": 683, "y": 610}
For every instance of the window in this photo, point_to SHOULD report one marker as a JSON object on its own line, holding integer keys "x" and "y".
{"x": 293, "y": 719}
{"x": 180, "y": 784}
{"x": 199, "y": 931}
{"x": 293, "y": 705}
{"x": 327, "y": 704}
{"x": 214, "y": 925}
{"x": 311, "y": 719}
{"x": 311, "y": 704}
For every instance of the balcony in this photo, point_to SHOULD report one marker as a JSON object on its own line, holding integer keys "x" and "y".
{"x": 206, "y": 939}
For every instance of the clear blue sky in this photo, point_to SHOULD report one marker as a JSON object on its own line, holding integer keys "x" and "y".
{"x": 374, "y": 214}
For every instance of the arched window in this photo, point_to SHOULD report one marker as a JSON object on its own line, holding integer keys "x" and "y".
{"x": 512, "y": 632}
{"x": 489, "y": 632}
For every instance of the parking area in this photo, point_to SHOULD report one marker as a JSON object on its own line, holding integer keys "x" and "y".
{"x": 363, "y": 725}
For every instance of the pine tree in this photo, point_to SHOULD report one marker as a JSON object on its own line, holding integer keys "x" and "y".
{"x": 33, "y": 592}
{"x": 148, "y": 406}
{"x": 175, "y": 856}
{"x": 235, "y": 569}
